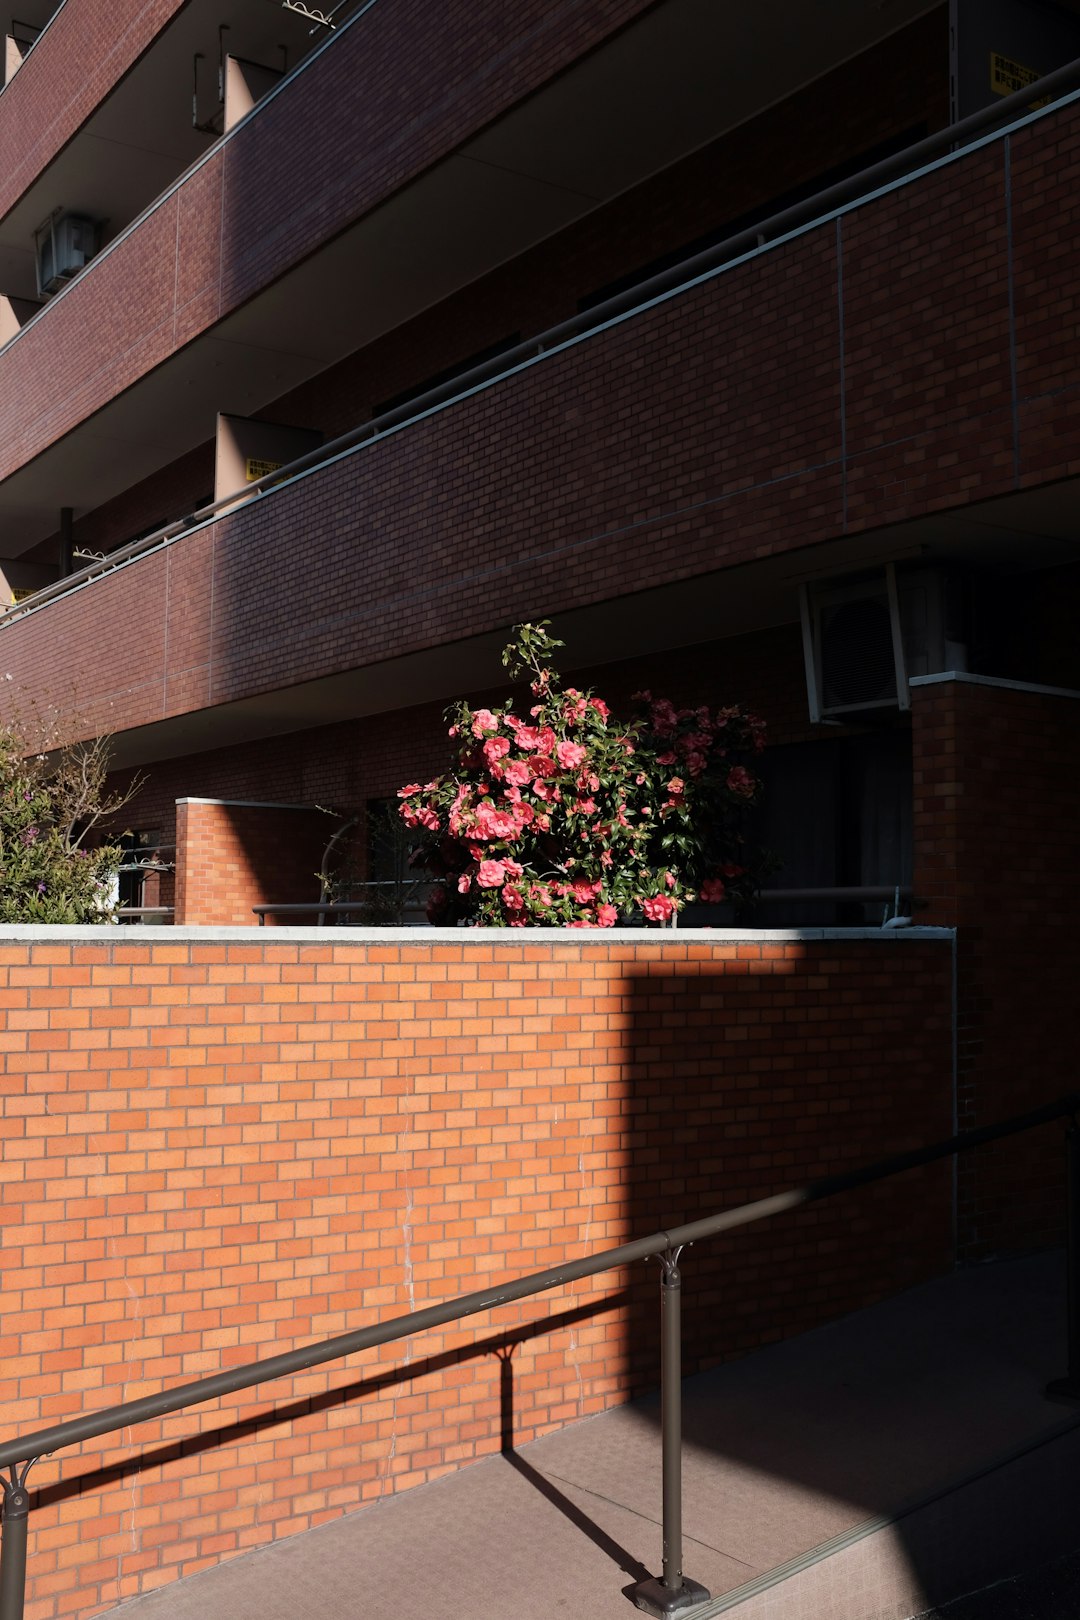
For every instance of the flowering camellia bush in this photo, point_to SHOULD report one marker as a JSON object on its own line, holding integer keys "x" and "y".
{"x": 46, "y": 808}
{"x": 566, "y": 816}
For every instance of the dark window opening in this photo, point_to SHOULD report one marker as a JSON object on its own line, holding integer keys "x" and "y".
{"x": 837, "y": 814}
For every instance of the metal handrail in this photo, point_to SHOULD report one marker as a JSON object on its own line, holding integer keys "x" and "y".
{"x": 664, "y": 1245}
{"x": 322, "y": 908}
{"x": 940, "y": 144}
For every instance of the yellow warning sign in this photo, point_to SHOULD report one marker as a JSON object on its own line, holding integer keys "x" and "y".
{"x": 1007, "y": 76}
{"x": 254, "y": 468}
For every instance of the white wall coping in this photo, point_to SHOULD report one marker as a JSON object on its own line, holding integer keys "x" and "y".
{"x": 962, "y": 677}
{"x": 245, "y": 934}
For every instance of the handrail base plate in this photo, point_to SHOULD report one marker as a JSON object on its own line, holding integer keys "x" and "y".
{"x": 659, "y": 1600}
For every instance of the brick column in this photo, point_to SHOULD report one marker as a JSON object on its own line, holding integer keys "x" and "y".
{"x": 233, "y": 855}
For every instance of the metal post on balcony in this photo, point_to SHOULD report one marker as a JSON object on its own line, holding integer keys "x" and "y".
{"x": 1068, "y": 1388}
{"x": 14, "y": 1522}
{"x": 672, "y": 1591}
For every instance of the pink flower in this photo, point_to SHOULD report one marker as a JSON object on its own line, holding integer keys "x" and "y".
{"x": 512, "y": 898}
{"x": 665, "y": 759}
{"x": 676, "y": 786}
{"x": 495, "y": 748}
{"x": 713, "y": 891}
{"x": 570, "y": 755}
{"x": 607, "y": 916}
{"x": 586, "y": 807}
{"x": 669, "y": 879}
{"x": 427, "y": 817}
{"x": 517, "y": 772}
{"x": 413, "y": 787}
{"x": 600, "y": 707}
{"x": 464, "y": 883}
{"x": 658, "y": 909}
{"x": 695, "y": 764}
{"x": 484, "y": 720}
{"x": 491, "y": 874}
{"x": 740, "y": 781}
{"x": 513, "y": 869}
{"x": 583, "y": 891}
{"x": 543, "y": 765}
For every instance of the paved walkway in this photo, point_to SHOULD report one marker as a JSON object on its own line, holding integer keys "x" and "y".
{"x": 785, "y": 1449}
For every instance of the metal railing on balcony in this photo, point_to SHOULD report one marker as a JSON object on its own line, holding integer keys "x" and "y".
{"x": 901, "y": 167}
{"x": 671, "y": 1591}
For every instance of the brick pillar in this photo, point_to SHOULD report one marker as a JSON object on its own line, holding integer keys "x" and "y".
{"x": 232, "y": 855}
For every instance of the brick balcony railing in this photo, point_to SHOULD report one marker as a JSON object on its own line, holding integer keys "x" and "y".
{"x": 278, "y": 187}
{"x": 879, "y": 366}
{"x": 86, "y": 49}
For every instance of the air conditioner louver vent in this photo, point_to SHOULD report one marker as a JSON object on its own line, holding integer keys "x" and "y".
{"x": 65, "y": 244}
{"x": 857, "y": 661}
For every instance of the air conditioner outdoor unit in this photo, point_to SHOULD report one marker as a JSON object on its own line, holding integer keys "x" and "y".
{"x": 65, "y": 243}
{"x": 864, "y": 638}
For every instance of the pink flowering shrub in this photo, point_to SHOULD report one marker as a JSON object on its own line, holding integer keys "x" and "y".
{"x": 566, "y": 816}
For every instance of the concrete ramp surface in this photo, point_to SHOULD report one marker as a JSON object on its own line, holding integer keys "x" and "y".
{"x": 876, "y": 1467}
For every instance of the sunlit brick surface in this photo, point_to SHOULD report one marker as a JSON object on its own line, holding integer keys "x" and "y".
{"x": 215, "y": 1150}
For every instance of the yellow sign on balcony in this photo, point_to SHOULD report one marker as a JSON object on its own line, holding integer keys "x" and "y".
{"x": 255, "y": 468}
{"x": 1007, "y": 76}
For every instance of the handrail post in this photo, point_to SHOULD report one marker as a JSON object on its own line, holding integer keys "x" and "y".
{"x": 14, "y": 1523}
{"x": 672, "y": 1591}
{"x": 1068, "y": 1388}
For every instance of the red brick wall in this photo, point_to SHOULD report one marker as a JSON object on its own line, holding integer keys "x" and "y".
{"x": 214, "y": 1150}
{"x": 997, "y": 851}
{"x": 89, "y": 46}
{"x": 230, "y": 857}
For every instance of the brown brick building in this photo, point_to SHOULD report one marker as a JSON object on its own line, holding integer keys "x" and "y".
{"x": 827, "y": 470}
{"x": 833, "y": 461}
{"x": 703, "y": 333}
